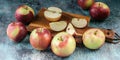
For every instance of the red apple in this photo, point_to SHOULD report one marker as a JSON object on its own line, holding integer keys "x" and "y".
{"x": 40, "y": 38}
{"x": 93, "y": 38}
{"x": 24, "y": 14}
{"x": 16, "y": 31}
{"x": 99, "y": 11}
{"x": 85, "y": 4}
{"x": 63, "y": 44}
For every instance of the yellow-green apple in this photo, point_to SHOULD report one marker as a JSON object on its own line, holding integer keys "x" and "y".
{"x": 85, "y": 4}
{"x": 58, "y": 26}
{"x": 53, "y": 13}
{"x": 79, "y": 23}
{"x": 40, "y": 38}
{"x": 24, "y": 14}
{"x": 93, "y": 38}
{"x": 63, "y": 44}
{"x": 99, "y": 11}
{"x": 16, "y": 31}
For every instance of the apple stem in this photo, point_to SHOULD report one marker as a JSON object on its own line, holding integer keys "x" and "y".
{"x": 60, "y": 38}
{"x": 99, "y": 4}
{"x": 95, "y": 32}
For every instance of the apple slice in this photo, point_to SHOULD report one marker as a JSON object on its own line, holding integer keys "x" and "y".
{"x": 70, "y": 29}
{"x": 53, "y": 14}
{"x": 58, "y": 26}
{"x": 79, "y": 23}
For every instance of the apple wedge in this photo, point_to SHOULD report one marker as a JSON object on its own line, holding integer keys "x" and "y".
{"x": 53, "y": 14}
{"x": 58, "y": 26}
{"x": 79, "y": 23}
{"x": 70, "y": 29}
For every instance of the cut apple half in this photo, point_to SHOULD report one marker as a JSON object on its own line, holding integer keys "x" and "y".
{"x": 53, "y": 13}
{"x": 58, "y": 26}
{"x": 70, "y": 29}
{"x": 79, "y": 23}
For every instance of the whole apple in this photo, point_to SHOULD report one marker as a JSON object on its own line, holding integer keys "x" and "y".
{"x": 16, "y": 31}
{"x": 99, "y": 11}
{"x": 40, "y": 38}
{"x": 85, "y": 4}
{"x": 63, "y": 44}
{"x": 24, "y": 14}
{"x": 93, "y": 38}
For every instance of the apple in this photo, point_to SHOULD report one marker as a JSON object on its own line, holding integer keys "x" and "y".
{"x": 93, "y": 38}
{"x": 40, "y": 38}
{"x": 70, "y": 29}
{"x": 53, "y": 14}
{"x": 63, "y": 44}
{"x": 79, "y": 23}
{"x": 16, "y": 31}
{"x": 24, "y": 14}
{"x": 58, "y": 26}
{"x": 99, "y": 11}
{"x": 85, "y": 4}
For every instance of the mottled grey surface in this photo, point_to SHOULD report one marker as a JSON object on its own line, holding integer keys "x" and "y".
{"x": 23, "y": 51}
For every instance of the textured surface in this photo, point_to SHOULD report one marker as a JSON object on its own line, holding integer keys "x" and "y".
{"x": 23, "y": 51}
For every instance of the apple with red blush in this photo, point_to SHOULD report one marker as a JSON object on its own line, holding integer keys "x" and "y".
{"x": 99, "y": 11}
{"x": 16, "y": 31}
{"x": 40, "y": 38}
{"x": 85, "y": 4}
{"x": 63, "y": 44}
{"x": 24, "y": 14}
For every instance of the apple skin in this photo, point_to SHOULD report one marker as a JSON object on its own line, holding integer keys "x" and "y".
{"x": 93, "y": 38}
{"x": 24, "y": 14}
{"x": 85, "y": 4}
{"x": 16, "y": 31}
{"x": 63, "y": 44}
{"x": 99, "y": 11}
{"x": 40, "y": 38}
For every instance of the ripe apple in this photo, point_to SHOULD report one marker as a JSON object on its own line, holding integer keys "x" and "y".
{"x": 85, "y": 4}
{"x": 24, "y": 14}
{"x": 16, "y": 31}
{"x": 79, "y": 23}
{"x": 40, "y": 38}
{"x": 58, "y": 26}
{"x": 63, "y": 44}
{"x": 99, "y": 11}
{"x": 93, "y": 38}
{"x": 53, "y": 14}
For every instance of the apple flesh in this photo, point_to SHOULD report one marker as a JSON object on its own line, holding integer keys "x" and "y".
{"x": 40, "y": 38}
{"x": 85, "y": 4}
{"x": 24, "y": 14}
{"x": 93, "y": 38}
{"x": 63, "y": 44}
{"x": 16, "y": 31}
{"x": 53, "y": 14}
{"x": 99, "y": 11}
{"x": 79, "y": 23}
{"x": 58, "y": 26}
{"x": 70, "y": 29}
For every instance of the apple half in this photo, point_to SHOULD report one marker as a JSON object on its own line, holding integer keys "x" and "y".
{"x": 53, "y": 13}
{"x": 93, "y": 38}
{"x": 58, "y": 26}
{"x": 79, "y": 23}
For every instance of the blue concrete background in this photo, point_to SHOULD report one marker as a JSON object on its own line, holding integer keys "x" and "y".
{"x": 23, "y": 51}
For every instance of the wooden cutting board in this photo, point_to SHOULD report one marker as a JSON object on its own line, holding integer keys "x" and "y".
{"x": 41, "y": 21}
